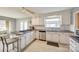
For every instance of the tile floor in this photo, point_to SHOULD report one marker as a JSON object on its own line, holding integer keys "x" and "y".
{"x": 41, "y": 46}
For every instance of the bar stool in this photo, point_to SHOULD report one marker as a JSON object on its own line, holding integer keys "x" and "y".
{"x": 9, "y": 41}
{"x": 2, "y": 42}
{"x": 1, "y": 35}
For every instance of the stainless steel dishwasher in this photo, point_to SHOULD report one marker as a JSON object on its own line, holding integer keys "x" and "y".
{"x": 42, "y": 35}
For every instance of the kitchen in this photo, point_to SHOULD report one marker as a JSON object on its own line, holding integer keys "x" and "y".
{"x": 51, "y": 25}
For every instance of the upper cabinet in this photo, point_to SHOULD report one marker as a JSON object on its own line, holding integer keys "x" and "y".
{"x": 37, "y": 20}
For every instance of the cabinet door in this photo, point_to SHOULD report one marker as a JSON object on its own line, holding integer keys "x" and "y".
{"x": 77, "y": 46}
{"x": 35, "y": 21}
{"x": 48, "y": 36}
{"x": 64, "y": 38}
{"x": 55, "y": 37}
{"x": 52, "y": 36}
{"x": 33, "y": 35}
{"x": 28, "y": 38}
{"x": 41, "y": 21}
{"x": 37, "y": 35}
{"x": 22, "y": 41}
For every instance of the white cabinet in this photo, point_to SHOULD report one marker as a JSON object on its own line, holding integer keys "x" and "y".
{"x": 29, "y": 37}
{"x": 41, "y": 21}
{"x": 64, "y": 39}
{"x": 26, "y": 39}
{"x": 37, "y": 21}
{"x": 22, "y": 41}
{"x": 52, "y": 37}
{"x": 36, "y": 34}
{"x": 32, "y": 35}
{"x": 58, "y": 37}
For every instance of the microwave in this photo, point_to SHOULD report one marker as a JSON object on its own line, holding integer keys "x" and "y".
{"x": 77, "y": 33}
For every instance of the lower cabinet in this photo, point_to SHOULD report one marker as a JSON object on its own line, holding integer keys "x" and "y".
{"x": 26, "y": 39}
{"x": 58, "y": 37}
{"x": 37, "y": 34}
{"x": 64, "y": 39}
{"x": 22, "y": 41}
{"x": 52, "y": 37}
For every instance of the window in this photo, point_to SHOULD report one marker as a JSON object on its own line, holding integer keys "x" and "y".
{"x": 23, "y": 25}
{"x": 2, "y": 25}
{"x": 54, "y": 22}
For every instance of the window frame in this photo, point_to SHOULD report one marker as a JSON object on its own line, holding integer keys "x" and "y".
{"x": 3, "y": 27}
{"x": 23, "y": 25}
{"x": 50, "y": 17}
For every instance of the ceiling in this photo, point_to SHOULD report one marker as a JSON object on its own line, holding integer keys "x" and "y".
{"x": 18, "y": 12}
{"x": 13, "y": 12}
{"x": 43, "y": 10}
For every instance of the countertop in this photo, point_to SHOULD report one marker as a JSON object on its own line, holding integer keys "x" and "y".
{"x": 66, "y": 31}
{"x": 57, "y": 30}
{"x": 26, "y": 30}
{"x": 75, "y": 38}
{"x": 22, "y": 32}
{"x": 52, "y": 30}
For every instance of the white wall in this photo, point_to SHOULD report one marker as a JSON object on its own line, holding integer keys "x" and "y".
{"x": 18, "y": 23}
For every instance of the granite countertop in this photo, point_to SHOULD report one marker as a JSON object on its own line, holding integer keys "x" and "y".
{"x": 66, "y": 31}
{"x": 28, "y": 30}
{"x": 57, "y": 30}
{"x": 53, "y": 30}
{"x": 75, "y": 38}
{"x": 23, "y": 32}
